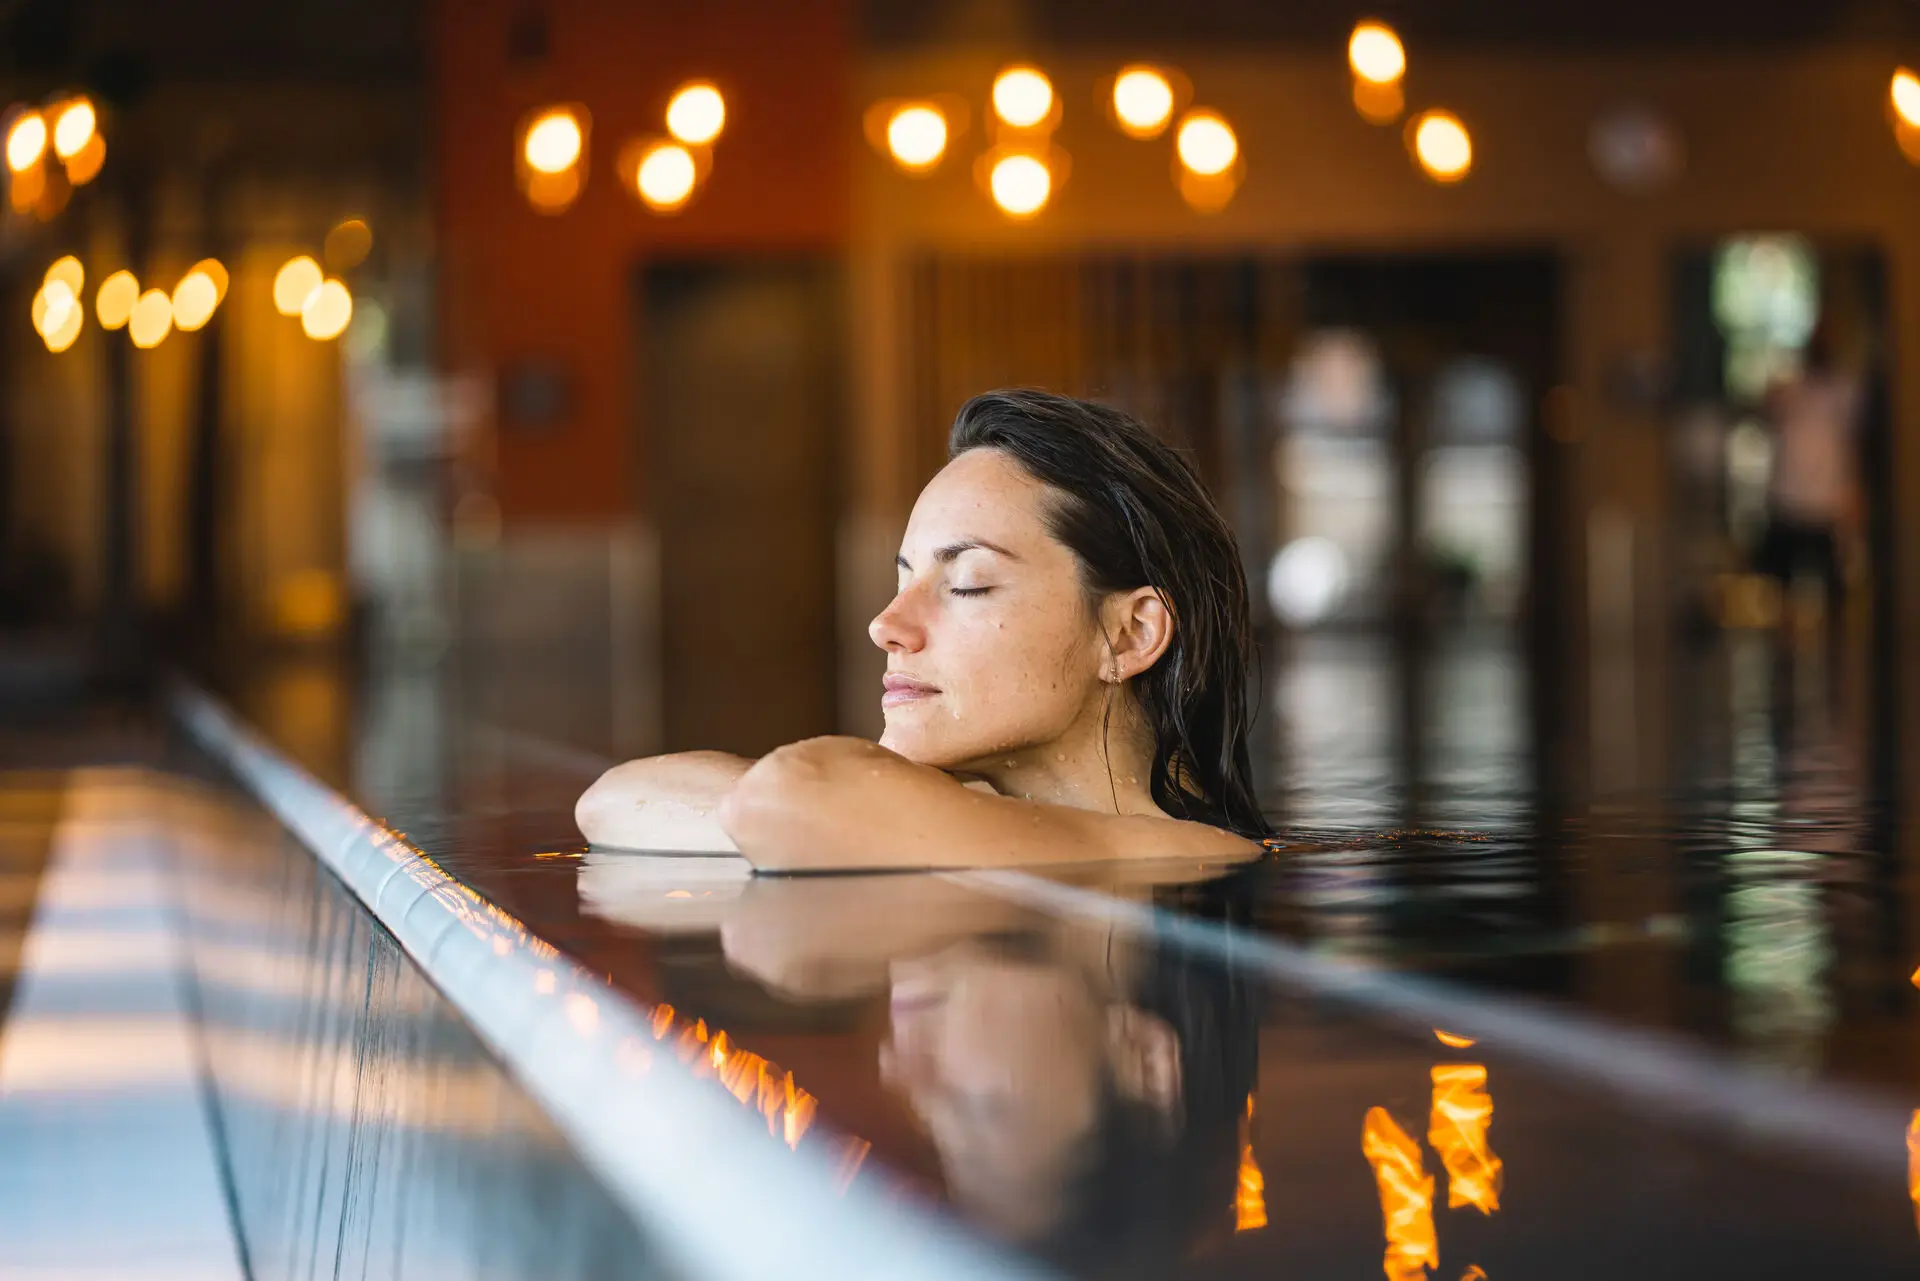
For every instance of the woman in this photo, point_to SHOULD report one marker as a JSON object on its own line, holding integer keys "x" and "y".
{"x": 1067, "y": 663}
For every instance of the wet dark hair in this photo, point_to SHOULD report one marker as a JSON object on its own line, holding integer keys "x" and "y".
{"x": 1153, "y": 1188}
{"x": 1135, "y": 514}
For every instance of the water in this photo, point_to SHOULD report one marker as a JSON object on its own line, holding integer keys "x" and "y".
{"x": 1695, "y": 1034}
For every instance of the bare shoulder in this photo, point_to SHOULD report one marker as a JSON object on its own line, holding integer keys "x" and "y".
{"x": 1157, "y": 836}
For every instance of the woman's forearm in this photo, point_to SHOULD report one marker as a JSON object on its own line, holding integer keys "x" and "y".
{"x": 661, "y": 803}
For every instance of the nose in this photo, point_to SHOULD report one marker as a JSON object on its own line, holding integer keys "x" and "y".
{"x": 896, "y": 628}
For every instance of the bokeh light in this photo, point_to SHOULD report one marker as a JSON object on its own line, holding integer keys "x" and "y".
{"x": 1206, "y": 143}
{"x": 348, "y": 244}
{"x": 53, "y": 303}
{"x": 1442, "y": 145}
{"x": 666, "y": 177}
{"x": 294, "y": 284}
{"x": 152, "y": 319}
{"x": 1022, "y": 96}
{"x": 1021, "y": 184}
{"x": 696, "y": 113}
{"x": 328, "y": 312}
{"x": 554, "y": 141}
{"x": 1142, "y": 101}
{"x": 1379, "y": 104}
{"x": 115, "y": 299}
{"x": 917, "y": 136}
{"x": 1376, "y": 54}
{"x": 73, "y": 128}
{"x": 1905, "y": 94}
{"x": 26, "y": 141}
{"x": 84, "y": 165}
{"x": 194, "y": 300}
{"x": 68, "y": 331}
{"x": 67, "y": 269}
{"x": 554, "y": 193}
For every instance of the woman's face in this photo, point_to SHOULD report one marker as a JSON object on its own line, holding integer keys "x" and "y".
{"x": 991, "y": 648}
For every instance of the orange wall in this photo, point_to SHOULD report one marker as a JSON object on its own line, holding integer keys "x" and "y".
{"x": 518, "y": 285}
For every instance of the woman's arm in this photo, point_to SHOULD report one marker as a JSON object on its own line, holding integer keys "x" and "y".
{"x": 661, "y": 803}
{"x": 847, "y": 804}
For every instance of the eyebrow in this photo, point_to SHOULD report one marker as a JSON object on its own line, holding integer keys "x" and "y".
{"x": 946, "y": 555}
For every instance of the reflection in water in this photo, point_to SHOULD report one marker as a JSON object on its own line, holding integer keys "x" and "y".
{"x": 1913, "y": 1165}
{"x": 756, "y": 1082}
{"x": 1462, "y": 1110}
{"x": 1474, "y": 1272}
{"x": 1452, "y": 1039}
{"x": 1250, "y": 1200}
{"x": 1406, "y": 1197}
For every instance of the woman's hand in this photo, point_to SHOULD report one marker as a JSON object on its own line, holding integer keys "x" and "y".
{"x": 662, "y": 803}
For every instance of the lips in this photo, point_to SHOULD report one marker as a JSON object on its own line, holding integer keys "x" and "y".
{"x": 901, "y": 690}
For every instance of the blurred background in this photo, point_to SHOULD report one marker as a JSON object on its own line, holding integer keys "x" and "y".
{"x": 571, "y": 366}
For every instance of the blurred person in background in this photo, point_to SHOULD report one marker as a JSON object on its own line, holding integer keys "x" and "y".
{"x": 1812, "y": 538}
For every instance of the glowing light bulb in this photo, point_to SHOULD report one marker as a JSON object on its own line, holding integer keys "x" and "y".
{"x": 69, "y": 270}
{"x": 327, "y": 312}
{"x": 666, "y": 177}
{"x": 1906, "y": 96}
{"x": 1441, "y": 144}
{"x": 917, "y": 136}
{"x": 553, "y": 142}
{"x": 1142, "y": 101}
{"x": 1206, "y": 143}
{"x": 696, "y": 114}
{"x": 114, "y": 302}
{"x": 53, "y": 304}
{"x": 73, "y": 128}
{"x": 1021, "y": 184}
{"x": 1376, "y": 54}
{"x": 152, "y": 319}
{"x": 1022, "y": 96}
{"x": 294, "y": 285}
{"x": 26, "y": 141}
{"x": 194, "y": 300}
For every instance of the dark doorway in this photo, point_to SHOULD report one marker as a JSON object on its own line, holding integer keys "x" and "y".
{"x": 743, "y": 392}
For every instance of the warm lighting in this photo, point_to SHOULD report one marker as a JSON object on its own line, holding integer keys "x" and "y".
{"x": 1142, "y": 101}
{"x": 553, "y": 141}
{"x": 666, "y": 177}
{"x": 26, "y": 141}
{"x": 1906, "y": 96}
{"x": 1375, "y": 53}
{"x": 152, "y": 319}
{"x": 1442, "y": 145}
{"x": 1250, "y": 1197}
{"x": 84, "y": 165}
{"x": 194, "y": 300}
{"x": 348, "y": 244}
{"x": 69, "y": 270}
{"x": 754, "y": 1081}
{"x": 1379, "y": 104}
{"x": 327, "y": 312}
{"x": 1457, "y": 1129}
{"x": 1022, "y": 97}
{"x": 294, "y": 284}
{"x": 696, "y": 114}
{"x": 1913, "y": 1165}
{"x": 917, "y": 136}
{"x": 1206, "y": 143}
{"x": 53, "y": 303}
{"x": 1406, "y": 1197}
{"x": 24, "y": 192}
{"x": 57, "y": 314}
{"x": 553, "y": 193}
{"x": 1453, "y": 1039}
{"x": 114, "y": 302}
{"x": 1021, "y": 184}
{"x": 73, "y": 128}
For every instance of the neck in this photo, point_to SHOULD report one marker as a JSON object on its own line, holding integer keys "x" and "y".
{"x": 1091, "y": 767}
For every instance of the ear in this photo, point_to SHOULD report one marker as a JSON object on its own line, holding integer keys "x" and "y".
{"x": 1145, "y": 1053}
{"x": 1139, "y": 627}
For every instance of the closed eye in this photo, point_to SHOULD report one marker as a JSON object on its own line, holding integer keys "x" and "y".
{"x": 968, "y": 591}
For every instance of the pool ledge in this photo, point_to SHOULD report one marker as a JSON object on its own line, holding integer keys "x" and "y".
{"x": 674, "y": 1149}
